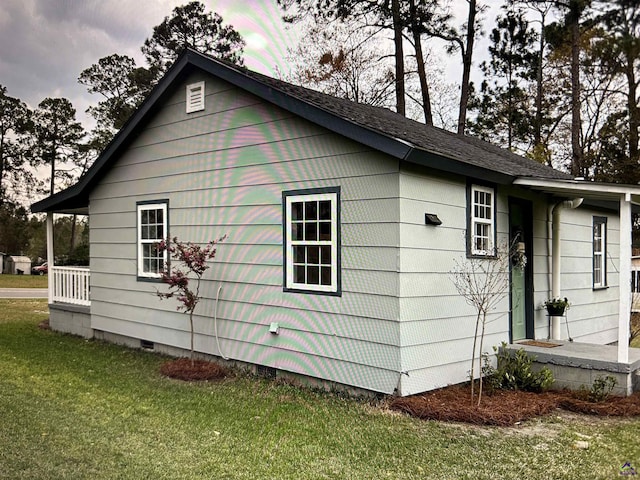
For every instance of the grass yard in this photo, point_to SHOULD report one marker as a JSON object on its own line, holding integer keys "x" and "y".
{"x": 77, "y": 409}
{"x": 23, "y": 281}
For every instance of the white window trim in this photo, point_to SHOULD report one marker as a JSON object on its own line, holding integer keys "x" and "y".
{"x": 140, "y": 242}
{"x": 195, "y": 97}
{"x": 478, "y": 220}
{"x": 602, "y": 253}
{"x": 334, "y": 242}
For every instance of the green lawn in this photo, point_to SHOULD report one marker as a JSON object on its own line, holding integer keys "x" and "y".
{"x": 23, "y": 281}
{"x": 77, "y": 409}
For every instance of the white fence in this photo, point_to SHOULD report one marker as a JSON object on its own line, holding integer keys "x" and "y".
{"x": 71, "y": 285}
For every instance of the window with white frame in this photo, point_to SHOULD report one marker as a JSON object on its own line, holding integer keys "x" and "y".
{"x": 482, "y": 220}
{"x": 152, "y": 229}
{"x": 312, "y": 240}
{"x": 599, "y": 252}
{"x": 195, "y": 97}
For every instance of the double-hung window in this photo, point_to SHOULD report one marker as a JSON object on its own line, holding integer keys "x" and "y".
{"x": 312, "y": 240}
{"x": 482, "y": 225}
{"x": 599, "y": 252}
{"x": 152, "y": 229}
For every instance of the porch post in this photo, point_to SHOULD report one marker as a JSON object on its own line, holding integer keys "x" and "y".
{"x": 625, "y": 278}
{"x": 50, "y": 273}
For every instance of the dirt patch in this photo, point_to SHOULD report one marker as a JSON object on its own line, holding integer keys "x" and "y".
{"x": 44, "y": 325}
{"x": 507, "y": 408}
{"x": 193, "y": 370}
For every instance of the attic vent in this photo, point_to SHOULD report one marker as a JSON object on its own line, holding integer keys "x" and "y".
{"x": 195, "y": 97}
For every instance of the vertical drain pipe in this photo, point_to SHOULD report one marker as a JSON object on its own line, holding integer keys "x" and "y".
{"x": 556, "y": 256}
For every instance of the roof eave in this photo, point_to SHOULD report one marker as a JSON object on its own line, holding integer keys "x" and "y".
{"x": 449, "y": 165}
{"x": 581, "y": 188}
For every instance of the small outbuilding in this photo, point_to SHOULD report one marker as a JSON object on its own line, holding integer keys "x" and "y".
{"x": 18, "y": 265}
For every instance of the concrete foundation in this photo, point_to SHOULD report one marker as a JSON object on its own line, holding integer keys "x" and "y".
{"x": 73, "y": 319}
{"x": 577, "y": 365}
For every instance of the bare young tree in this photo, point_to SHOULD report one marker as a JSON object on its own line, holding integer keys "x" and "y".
{"x": 484, "y": 284}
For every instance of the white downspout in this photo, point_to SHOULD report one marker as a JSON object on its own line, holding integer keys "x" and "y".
{"x": 556, "y": 257}
{"x": 50, "y": 263}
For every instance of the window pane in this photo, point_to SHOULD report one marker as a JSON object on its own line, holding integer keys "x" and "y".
{"x": 298, "y": 254}
{"x": 325, "y": 255}
{"x": 313, "y": 275}
{"x": 296, "y": 211}
{"x": 159, "y": 216}
{"x": 298, "y": 274}
{"x": 160, "y": 232}
{"x": 311, "y": 210}
{"x": 153, "y": 232}
{"x": 325, "y": 231}
{"x": 144, "y": 217}
{"x": 325, "y": 210}
{"x": 313, "y": 255}
{"x": 296, "y": 231}
{"x": 325, "y": 275}
{"x": 152, "y": 216}
{"x": 311, "y": 231}
{"x": 144, "y": 233}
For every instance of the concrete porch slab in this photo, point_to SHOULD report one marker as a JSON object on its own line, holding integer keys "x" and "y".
{"x": 575, "y": 364}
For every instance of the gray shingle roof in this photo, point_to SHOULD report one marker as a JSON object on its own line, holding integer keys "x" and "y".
{"x": 379, "y": 128}
{"x": 465, "y": 149}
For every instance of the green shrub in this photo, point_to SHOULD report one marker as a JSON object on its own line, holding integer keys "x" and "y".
{"x": 600, "y": 389}
{"x": 514, "y": 372}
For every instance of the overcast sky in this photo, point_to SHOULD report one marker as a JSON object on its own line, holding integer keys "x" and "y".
{"x": 45, "y": 44}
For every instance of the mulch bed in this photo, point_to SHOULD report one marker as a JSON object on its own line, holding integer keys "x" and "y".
{"x": 196, "y": 370}
{"x": 506, "y": 408}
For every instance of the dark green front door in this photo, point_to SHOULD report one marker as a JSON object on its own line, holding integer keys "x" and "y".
{"x": 521, "y": 243}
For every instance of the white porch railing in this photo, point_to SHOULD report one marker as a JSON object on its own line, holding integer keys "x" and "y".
{"x": 71, "y": 285}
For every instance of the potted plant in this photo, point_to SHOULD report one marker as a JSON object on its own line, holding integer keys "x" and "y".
{"x": 556, "y": 306}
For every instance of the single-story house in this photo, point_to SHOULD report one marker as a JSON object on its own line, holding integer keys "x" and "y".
{"x": 343, "y": 223}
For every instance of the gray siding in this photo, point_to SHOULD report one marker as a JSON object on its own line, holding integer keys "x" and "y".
{"x": 437, "y": 326}
{"x": 223, "y": 171}
{"x": 399, "y": 322}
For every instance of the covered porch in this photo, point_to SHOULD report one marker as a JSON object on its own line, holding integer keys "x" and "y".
{"x": 575, "y": 364}
{"x": 69, "y": 289}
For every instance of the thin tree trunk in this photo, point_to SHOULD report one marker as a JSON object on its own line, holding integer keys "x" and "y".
{"x": 397, "y": 38}
{"x": 72, "y": 242}
{"x": 634, "y": 120}
{"x": 484, "y": 321}
{"x": 473, "y": 356}
{"x": 577, "y": 155}
{"x": 467, "y": 56}
{"x": 422, "y": 74}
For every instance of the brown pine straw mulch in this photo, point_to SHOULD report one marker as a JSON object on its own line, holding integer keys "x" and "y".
{"x": 507, "y": 408}
{"x": 198, "y": 370}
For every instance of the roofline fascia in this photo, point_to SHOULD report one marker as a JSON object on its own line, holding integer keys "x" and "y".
{"x": 121, "y": 138}
{"x": 580, "y": 187}
{"x": 449, "y": 165}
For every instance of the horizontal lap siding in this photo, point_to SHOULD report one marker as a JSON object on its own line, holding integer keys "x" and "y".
{"x": 437, "y": 325}
{"x": 223, "y": 172}
{"x": 593, "y": 316}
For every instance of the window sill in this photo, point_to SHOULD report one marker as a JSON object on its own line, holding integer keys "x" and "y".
{"x": 606, "y": 287}
{"x": 312, "y": 292}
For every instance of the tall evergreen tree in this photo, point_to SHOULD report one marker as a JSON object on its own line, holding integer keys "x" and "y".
{"x": 15, "y": 128}
{"x": 192, "y": 26}
{"x": 58, "y": 135}
{"x": 505, "y": 113}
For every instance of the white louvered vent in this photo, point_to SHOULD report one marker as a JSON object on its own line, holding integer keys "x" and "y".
{"x": 195, "y": 97}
